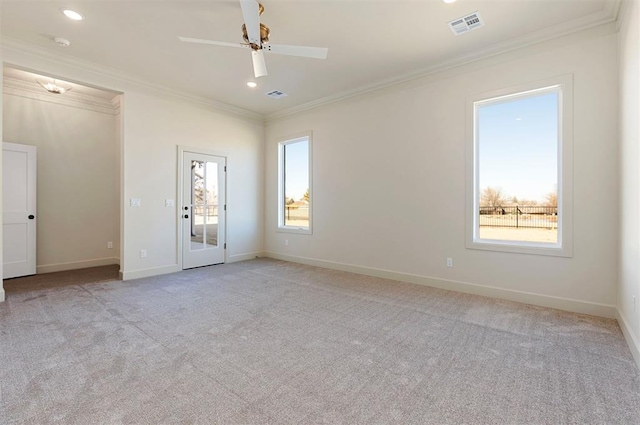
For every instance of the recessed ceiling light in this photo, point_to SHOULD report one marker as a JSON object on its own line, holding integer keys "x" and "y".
{"x": 449, "y": 1}
{"x": 72, "y": 14}
{"x": 252, "y": 84}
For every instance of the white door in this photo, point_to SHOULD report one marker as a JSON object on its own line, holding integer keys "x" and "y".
{"x": 18, "y": 210}
{"x": 203, "y": 210}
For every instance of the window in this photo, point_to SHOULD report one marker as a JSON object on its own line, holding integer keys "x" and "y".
{"x": 294, "y": 181}
{"x": 519, "y": 196}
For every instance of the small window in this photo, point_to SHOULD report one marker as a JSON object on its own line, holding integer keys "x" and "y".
{"x": 521, "y": 169}
{"x": 294, "y": 194}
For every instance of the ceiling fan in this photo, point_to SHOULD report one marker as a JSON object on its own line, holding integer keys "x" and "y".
{"x": 256, "y": 37}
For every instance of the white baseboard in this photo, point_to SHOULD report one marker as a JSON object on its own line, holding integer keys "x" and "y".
{"x": 567, "y": 304}
{"x": 138, "y": 274}
{"x": 75, "y": 265}
{"x": 155, "y": 271}
{"x": 632, "y": 341}
{"x": 2, "y": 298}
{"x": 243, "y": 257}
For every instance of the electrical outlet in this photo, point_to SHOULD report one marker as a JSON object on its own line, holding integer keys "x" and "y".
{"x": 143, "y": 253}
{"x": 286, "y": 242}
{"x": 135, "y": 202}
{"x": 449, "y": 262}
{"x": 110, "y": 245}
{"x": 169, "y": 203}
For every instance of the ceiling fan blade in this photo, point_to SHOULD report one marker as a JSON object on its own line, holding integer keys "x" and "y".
{"x": 303, "y": 51}
{"x": 259, "y": 66}
{"x": 251, "y": 15}
{"x": 215, "y": 43}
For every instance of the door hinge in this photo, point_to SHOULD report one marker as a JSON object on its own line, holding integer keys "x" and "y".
{"x": 225, "y": 207}
{"x": 225, "y": 168}
{"x": 225, "y": 245}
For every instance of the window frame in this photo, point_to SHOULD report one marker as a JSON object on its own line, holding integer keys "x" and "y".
{"x": 562, "y": 85}
{"x": 282, "y": 143}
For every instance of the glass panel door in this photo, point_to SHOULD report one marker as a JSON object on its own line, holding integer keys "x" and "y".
{"x": 197, "y": 203}
{"x": 204, "y": 208}
{"x": 203, "y": 182}
{"x": 211, "y": 204}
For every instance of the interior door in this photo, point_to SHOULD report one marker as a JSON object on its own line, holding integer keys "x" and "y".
{"x": 203, "y": 210}
{"x": 18, "y": 210}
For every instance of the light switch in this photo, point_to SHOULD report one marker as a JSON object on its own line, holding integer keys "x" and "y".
{"x": 135, "y": 202}
{"x": 169, "y": 203}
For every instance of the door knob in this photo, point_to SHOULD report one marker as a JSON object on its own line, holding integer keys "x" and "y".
{"x": 186, "y": 216}
{"x": 186, "y": 208}
{"x": 31, "y": 216}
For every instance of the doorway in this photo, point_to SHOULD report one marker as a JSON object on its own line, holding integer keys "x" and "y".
{"x": 78, "y": 135}
{"x": 203, "y": 209}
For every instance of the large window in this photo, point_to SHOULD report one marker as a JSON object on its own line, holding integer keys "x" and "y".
{"x": 521, "y": 161}
{"x": 294, "y": 181}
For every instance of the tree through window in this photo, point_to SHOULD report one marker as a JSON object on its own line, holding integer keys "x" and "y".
{"x": 294, "y": 170}
{"x": 519, "y": 169}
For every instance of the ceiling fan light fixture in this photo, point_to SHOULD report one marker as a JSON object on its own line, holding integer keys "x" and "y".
{"x": 54, "y": 86}
{"x": 62, "y": 42}
{"x": 449, "y": 1}
{"x": 72, "y": 14}
{"x": 252, "y": 84}
{"x": 265, "y": 32}
{"x": 256, "y": 38}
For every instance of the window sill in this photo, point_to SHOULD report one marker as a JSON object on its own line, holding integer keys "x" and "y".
{"x": 516, "y": 247}
{"x": 291, "y": 229}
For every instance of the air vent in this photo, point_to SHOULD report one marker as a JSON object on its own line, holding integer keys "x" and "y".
{"x": 277, "y": 94}
{"x": 466, "y": 23}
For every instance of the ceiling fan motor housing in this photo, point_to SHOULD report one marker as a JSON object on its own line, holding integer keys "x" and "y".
{"x": 264, "y": 36}
{"x": 258, "y": 40}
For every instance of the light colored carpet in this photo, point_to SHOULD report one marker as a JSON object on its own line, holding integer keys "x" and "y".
{"x": 272, "y": 342}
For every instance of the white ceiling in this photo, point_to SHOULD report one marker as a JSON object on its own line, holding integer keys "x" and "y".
{"x": 370, "y": 42}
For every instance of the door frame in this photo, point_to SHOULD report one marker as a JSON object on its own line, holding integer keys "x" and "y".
{"x": 180, "y": 191}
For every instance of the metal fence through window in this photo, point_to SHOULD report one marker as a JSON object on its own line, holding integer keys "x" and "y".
{"x": 297, "y": 212}
{"x": 208, "y": 210}
{"x": 519, "y": 216}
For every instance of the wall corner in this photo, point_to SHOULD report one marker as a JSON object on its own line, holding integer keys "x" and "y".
{"x": 632, "y": 342}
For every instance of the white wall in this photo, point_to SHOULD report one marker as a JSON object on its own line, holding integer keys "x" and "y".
{"x": 78, "y": 178}
{"x": 630, "y": 177}
{"x": 153, "y": 128}
{"x": 154, "y": 122}
{"x": 389, "y": 181}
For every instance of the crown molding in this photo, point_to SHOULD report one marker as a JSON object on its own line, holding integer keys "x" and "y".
{"x": 18, "y": 47}
{"x": 611, "y": 12}
{"x": 612, "y": 7}
{"x": 32, "y": 90}
{"x": 623, "y": 12}
{"x": 116, "y": 102}
{"x": 606, "y": 16}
